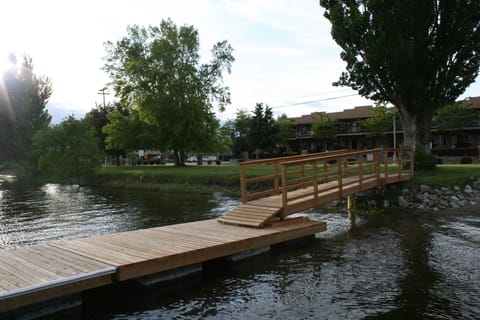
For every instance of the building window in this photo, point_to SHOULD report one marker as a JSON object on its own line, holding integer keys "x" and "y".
{"x": 454, "y": 140}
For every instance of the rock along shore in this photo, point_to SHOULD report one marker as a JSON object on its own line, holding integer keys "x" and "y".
{"x": 428, "y": 198}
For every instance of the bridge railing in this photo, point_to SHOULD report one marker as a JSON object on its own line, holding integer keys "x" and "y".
{"x": 321, "y": 172}
{"x": 398, "y": 161}
{"x": 273, "y": 179}
{"x": 320, "y": 175}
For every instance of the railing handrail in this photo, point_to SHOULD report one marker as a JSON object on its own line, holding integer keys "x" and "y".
{"x": 329, "y": 157}
{"x": 279, "y": 159}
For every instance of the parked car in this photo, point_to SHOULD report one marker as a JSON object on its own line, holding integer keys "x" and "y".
{"x": 157, "y": 159}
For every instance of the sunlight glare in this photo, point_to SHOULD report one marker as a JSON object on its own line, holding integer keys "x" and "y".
{"x": 5, "y": 105}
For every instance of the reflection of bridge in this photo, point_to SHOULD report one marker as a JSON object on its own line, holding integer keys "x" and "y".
{"x": 298, "y": 183}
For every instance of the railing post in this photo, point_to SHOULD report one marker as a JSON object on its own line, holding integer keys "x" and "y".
{"x": 340, "y": 177}
{"x": 400, "y": 163}
{"x": 315, "y": 180}
{"x": 412, "y": 162}
{"x": 360, "y": 171}
{"x": 284, "y": 188}
{"x": 376, "y": 157}
{"x": 243, "y": 184}
{"x": 325, "y": 171}
{"x": 276, "y": 182}
{"x": 385, "y": 163}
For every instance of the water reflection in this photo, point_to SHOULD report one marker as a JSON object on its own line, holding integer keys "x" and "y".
{"x": 398, "y": 265}
{"x": 55, "y": 212}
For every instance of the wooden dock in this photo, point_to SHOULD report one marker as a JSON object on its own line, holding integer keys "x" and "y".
{"x": 40, "y": 273}
{"x": 43, "y": 272}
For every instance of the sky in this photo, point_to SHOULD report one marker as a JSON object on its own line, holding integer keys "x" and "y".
{"x": 284, "y": 54}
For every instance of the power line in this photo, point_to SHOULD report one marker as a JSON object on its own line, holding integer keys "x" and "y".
{"x": 303, "y": 102}
{"x": 313, "y": 101}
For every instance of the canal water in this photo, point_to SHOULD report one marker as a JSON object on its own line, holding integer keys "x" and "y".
{"x": 395, "y": 265}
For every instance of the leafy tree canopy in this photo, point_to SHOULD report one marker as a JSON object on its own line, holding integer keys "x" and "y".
{"x": 23, "y": 97}
{"x": 263, "y": 130}
{"x": 68, "y": 151}
{"x": 454, "y": 116}
{"x": 158, "y": 71}
{"x": 417, "y": 55}
{"x": 380, "y": 121}
{"x": 324, "y": 128}
{"x": 285, "y": 131}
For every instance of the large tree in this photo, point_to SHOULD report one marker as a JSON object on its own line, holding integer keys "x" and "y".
{"x": 23, "y": 98}
{"x": 98, "y": 118}
{"x": 68, "y": 151}
{"x": 417, "y": 55}
{"x": 263, "y": 130}
{"x": 158, "y": 71}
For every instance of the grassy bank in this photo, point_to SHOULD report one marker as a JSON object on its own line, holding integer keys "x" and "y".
{"x": 448, "y": 175}
{"x": 205, "y": 179}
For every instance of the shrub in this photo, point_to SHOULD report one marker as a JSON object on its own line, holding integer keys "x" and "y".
{"x": 424, "y": 161}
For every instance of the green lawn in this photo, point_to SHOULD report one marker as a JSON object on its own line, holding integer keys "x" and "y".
{"x": 448, "y": 175}
{"x": 228, "y": 175}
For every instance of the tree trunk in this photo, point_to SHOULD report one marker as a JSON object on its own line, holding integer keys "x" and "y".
{"x": 176, "y": 157}
{"x": 416, "y": 127}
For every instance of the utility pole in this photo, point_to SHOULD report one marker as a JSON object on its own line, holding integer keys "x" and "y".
{"x": 103, "y": 93}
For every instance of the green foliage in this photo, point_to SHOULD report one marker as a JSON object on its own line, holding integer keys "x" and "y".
{"x": 448, "y": 175}
{"x": 378, "y": 123}
{"x": 68, "y": 151}
{"x": 23, "y": 97}
{"x": 256, "y": 134}
{"x": 417, "y": 55}
{"x": 240, "y": 133}
{"x": 157, "y": 70}
{"x": 454, "y": 116}
{"x": 424, "y": 161}
{"x": 263, "y": 130}
{"x": 324, "y": 128}
{"x": 285, "y": 131}
{"x": 98, "y": 118}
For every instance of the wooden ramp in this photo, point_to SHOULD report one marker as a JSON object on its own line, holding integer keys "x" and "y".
{"x": 302, "y": 182}
{"x": 39, "y": 273}
{"x": 250, "y": 215}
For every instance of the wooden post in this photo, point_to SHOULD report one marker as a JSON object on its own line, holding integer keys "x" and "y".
{"x": 385, "y": 162}
{"x": 376, "y": 159}
{"x": 284, "y": 188}
{"x": 315, "y": 180}
{"x": 325, "y": 171}
{"x": 360, "y": 172}
{"x": 276, "y": 179}
{"x": 400, "y": 163}
{"x": 339, "y": 177}
{"x": 412, "y": 156}
{"x": 351, "y": 203}
{"x": 243, "y": 184}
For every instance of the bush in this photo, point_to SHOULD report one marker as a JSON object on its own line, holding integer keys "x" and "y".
{"x": 424, "y": 161}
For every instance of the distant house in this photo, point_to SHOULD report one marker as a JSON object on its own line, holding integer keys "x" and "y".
{"x": 459, "y": 143}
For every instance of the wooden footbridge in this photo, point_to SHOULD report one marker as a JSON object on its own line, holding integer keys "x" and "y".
{"x": 297, "y": 183}
{"x": 31, "y": 276}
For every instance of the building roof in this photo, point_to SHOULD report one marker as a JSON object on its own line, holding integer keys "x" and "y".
{"x": 472, "y": 102}
{"x": 363, "y": 112}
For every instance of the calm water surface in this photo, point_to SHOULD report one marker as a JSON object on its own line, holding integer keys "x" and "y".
{"x": 386, "y": 266}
